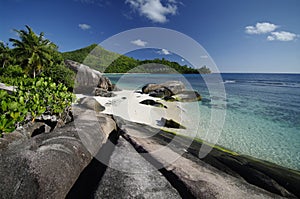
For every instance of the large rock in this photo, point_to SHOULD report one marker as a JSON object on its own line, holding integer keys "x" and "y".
{"x": 86, "y": 78}
{"x": 103, "y": 93}
{"x": 105, "y": 84}
{"x": 168, "y": 88}
{"x": 47, "y": 165}
{"x": 129, "y": 175}
{"x": 187, "y": 96}
{"x": 200, "y": 178}
{"x": 92, "y": 104}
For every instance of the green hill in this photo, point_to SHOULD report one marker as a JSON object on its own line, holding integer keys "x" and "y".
{"x": 103, "y": 60}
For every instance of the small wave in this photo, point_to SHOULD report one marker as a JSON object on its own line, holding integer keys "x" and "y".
{"x": 277, "y": 84}
{"x": 229, "y": 81}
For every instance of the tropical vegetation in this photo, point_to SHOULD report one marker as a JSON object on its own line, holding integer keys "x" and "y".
{"x": 109, "y": 62}
{"x": 42, "y": 81}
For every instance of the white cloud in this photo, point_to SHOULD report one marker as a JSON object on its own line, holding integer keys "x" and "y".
{"x": 204, "y": 56}
{"x": 282, "y": 36}
{"x": 261, "y": 28}
{"x": 154, "y": 9}
{"x": 182, "y": 60}
{"x": 139, "y": 42}
{"x": 163, "y": 52}
{"x": 84, "y": 26}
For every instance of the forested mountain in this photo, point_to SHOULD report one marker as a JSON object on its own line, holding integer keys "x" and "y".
{"x": 105, "y": 61}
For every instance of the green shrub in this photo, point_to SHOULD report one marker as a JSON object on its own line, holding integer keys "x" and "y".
{"x": 32, "y": 98}
{"x": 61, "y": 74}
{"x": 12, "y": 71}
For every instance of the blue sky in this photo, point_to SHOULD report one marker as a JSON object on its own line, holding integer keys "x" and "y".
{"x": 239, "y": 35}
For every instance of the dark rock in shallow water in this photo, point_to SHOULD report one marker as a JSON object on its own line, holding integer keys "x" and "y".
{"x": 169, "y": 99}
{"x": 161, "y": 93}
{"x": 168, "y": 88}
{"x": 187, "y": 96}
{"x": 153, "y": 103}
{"x": 103, "y": 93}
{"x": 171, "y": 124}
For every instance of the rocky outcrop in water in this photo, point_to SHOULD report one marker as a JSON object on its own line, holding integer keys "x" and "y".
{"x": 165, "y": 89}
{"x": 171, "y": 91}
{"x": 153, "y": 103}
{"x": 169, "y": 123}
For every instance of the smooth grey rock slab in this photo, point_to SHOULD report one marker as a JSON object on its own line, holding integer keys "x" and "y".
{"x": 129, "y": 175}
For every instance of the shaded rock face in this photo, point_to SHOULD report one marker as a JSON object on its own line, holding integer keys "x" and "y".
{"x": 105, "y": 88}
{"x": 152, "y": 103}
{"x": 105, "y": 84}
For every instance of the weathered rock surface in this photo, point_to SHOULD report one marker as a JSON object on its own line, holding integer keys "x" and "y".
{"x": 85, "y": 75}
{"x": 103, "y": 93}
{"x": 232, "y": 176}
{"x": 105, "y": 84}
{"x": 171, "y": 91}
{"x": 129, "y": 175}
{"x": 92, "y": 104}
{"x": 23, "y": 133}
{"x": 152, "y": 103}
{"x": 47, "y": 165}
{"x": 167, "y": 89}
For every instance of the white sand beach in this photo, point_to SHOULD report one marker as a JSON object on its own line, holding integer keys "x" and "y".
{"x": 127, "y": 105}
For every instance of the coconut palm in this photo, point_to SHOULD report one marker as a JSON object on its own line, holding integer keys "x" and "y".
{"x": 34, "y": 52}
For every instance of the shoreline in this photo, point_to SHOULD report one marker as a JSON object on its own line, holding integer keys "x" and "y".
{"x": 126, "y": 105}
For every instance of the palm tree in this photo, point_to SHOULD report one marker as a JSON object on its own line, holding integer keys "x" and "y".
{"x": 33, "y": 51}
{"x": 4, "y": 54}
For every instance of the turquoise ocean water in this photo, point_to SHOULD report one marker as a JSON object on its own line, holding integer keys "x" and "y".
{"x": 262, "y": 111}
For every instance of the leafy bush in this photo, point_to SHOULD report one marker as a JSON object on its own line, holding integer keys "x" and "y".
{"x": 32, "y": 98}
{"x": 61, "y": 74}
{"x": 12, "y": 71}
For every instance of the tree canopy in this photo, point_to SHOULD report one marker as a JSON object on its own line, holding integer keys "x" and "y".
{"x": 109, "y": 62}
{"x": 33, "y": 55}
{"x": 34, "y": 52}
